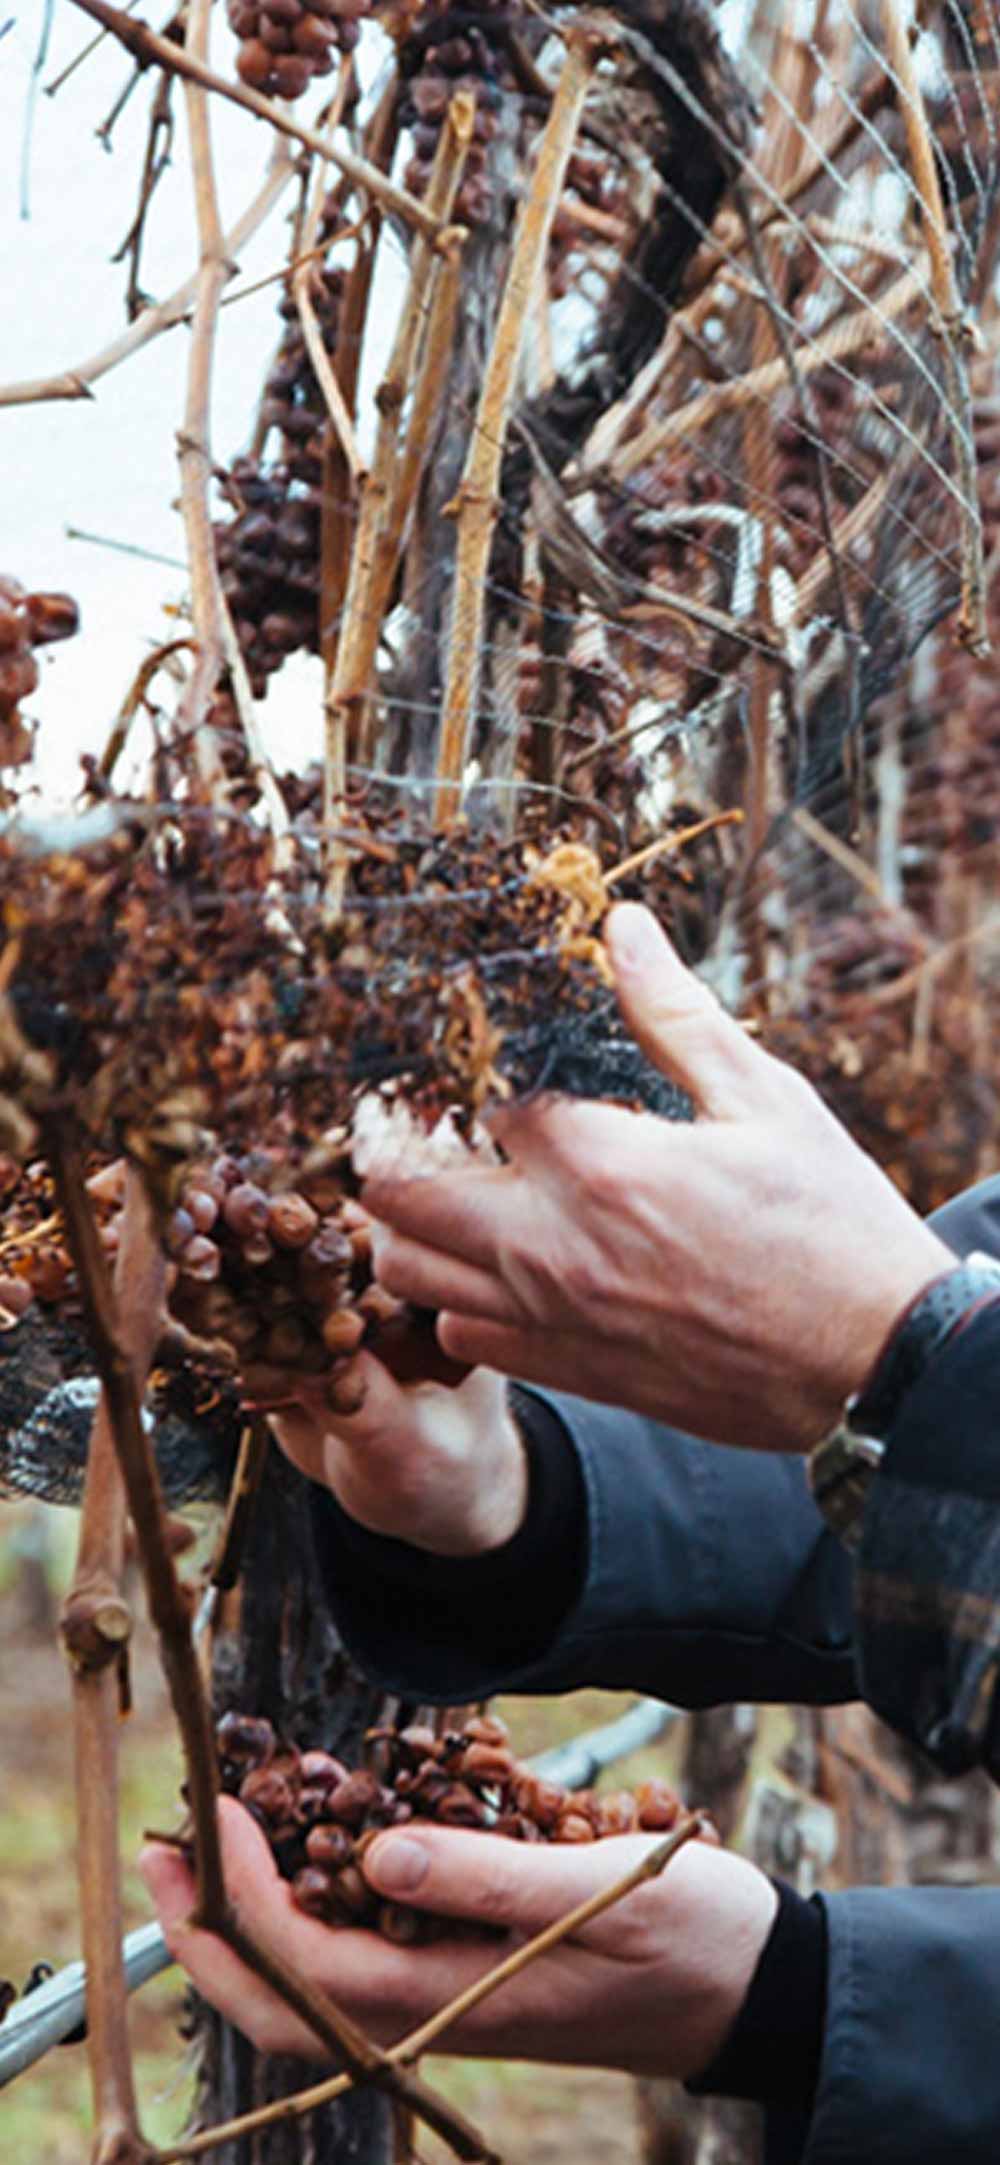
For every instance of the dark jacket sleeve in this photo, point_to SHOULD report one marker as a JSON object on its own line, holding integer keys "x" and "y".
{"x": 927, "y": 1595}
{"x": 708, "y": 1577}
{"x": 910, "y": 2073}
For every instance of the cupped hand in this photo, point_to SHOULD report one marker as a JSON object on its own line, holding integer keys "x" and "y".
{"x": 736, "y": 1276}
{"x": 653, "y": 1985}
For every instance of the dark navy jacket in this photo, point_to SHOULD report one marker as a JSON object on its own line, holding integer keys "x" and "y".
{"x": 709, "y": 1578}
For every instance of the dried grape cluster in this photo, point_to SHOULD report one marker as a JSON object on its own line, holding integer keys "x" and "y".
{"x": 280, "y": 1275}
{"x": 594, "y": 211}
{"x": 35, "y": 1263}
{"x": 284, "y": 44}
{"x": 453, "y": 54}
{"x": 26, "y": 621}
{"x": 269, "y": 553}
{"x": 318, "y": 1816}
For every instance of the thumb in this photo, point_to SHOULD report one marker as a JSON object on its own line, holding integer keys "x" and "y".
{"x": 676, "y": 1019}
{"x": 489, "y": 1879}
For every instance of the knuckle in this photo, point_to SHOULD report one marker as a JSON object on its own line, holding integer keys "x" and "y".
{"x": 795, "y": 1089}
{"x": 529, "y": 1274}
{"x": 497, "y": 1893}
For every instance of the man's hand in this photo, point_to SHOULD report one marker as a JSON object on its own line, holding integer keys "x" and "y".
{"x": 442, "y": 1467}
{"x": 653, "y": 1985}
{"x": 737, "y": 1277}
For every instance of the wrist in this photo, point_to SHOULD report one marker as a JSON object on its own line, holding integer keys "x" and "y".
{"x": 452, "y": 1480}
{"x": 862, "y": 1322}
{"x": 499, "y": 1489}
{"x": 843, "y": 1465}
{"x": 774, "y": 2049}
{"x": 735, "y": 1913}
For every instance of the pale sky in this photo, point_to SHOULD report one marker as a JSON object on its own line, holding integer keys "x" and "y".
{"x": 108, "y": 465}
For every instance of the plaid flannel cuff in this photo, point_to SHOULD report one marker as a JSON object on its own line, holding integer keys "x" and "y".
{"x": 927, "y": 1601}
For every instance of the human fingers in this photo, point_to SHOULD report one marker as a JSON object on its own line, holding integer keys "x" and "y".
{"x": 677, "y": 1019}
{"x": 575, "y": 1361}
{"x": 487, "y": 1879}
{"x": 252, "y": 1883}
{"x": 553, "y": 1134}
{"x": 380, "y": 1417}
{"x": 466, "y": 1214}
{"x": 385, "y": 1987}
{"x": 432, "y": 1279}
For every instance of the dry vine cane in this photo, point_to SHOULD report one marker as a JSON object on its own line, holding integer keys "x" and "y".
{"x": 119, "y": 2143}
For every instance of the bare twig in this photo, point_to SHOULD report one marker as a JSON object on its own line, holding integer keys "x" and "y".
{"x": 136, "y": 697}
{"x": 791, "y": 91}
{"x": 847, "y": 530}
{"x": 476, "y": 504}
{"x": 417, "y": 2041}
{"x": 76, "y": 382}
{"x": 649, "y": 1867}
{"x": 336, "y": 406}
{"x": 839, "y": 851}
{"x": 301, "y": 271}
{"x": 156, "y": 160}
{"x": 147, "y": 46}
{"x": 51, "y": 89}
{"x": 194, "y": 452}
{"x": 337, "y": 518}
{"x": 261, "y": 769}
{"x": 932, "y": 965}
{"x": 668, "y": 844}
{"x": 613, "y": 425}
{"x": 168, "y": 1607}
{"x": 171, "y": 1618}
{"x": 224, "y": 1569}
{"x": 428, "y": 389}
{"x": 844, "y": 337}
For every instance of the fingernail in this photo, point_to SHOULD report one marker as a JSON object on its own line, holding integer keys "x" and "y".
{"x": 397, "y": 1866}
{"x": 634, "y": 936}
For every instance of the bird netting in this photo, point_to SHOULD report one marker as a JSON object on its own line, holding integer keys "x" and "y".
{"x": 628, "y": 457}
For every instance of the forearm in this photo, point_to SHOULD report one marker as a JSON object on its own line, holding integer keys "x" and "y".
{"x": 499, "y": 1607}
{"x": 696, "y": 1573}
